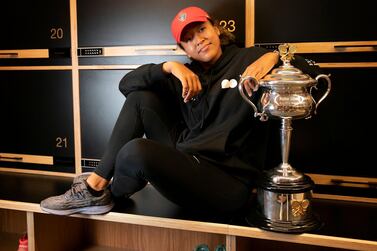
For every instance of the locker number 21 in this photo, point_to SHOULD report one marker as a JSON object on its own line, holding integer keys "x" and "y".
{"x": 61, "y": 142}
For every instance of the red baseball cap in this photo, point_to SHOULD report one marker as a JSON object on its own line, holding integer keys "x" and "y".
{"x": 187, "y": 16}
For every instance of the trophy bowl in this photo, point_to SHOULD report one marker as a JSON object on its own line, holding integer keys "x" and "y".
{"x": 284, "y": 194}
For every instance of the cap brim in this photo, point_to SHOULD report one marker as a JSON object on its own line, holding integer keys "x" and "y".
{"x": 187, "y": 22}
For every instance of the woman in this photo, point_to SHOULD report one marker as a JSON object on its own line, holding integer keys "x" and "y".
{"x": 203, "y": 149}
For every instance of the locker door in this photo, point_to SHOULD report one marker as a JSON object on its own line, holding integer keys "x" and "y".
{"x": 35, "y": 32}
{"x": 37, "y": 120}
{"x": 100, "y": 104}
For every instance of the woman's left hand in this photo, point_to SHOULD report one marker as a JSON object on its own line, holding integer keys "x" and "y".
{"x": 258, "y": 69}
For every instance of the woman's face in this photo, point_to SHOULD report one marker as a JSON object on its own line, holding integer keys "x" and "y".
{"x": 201, "y": 42}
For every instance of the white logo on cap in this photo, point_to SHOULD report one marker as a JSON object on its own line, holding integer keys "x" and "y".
{"x": 182, "y": 17}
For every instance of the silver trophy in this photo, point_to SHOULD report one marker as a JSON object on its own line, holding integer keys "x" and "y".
{"x": 284, "y": 194}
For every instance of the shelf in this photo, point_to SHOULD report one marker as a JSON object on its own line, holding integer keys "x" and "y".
{"x": 115, "y": 220}
{"x": 148, "y": 218}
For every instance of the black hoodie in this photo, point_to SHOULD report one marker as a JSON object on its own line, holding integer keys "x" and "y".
{"x": 220, "y": 125}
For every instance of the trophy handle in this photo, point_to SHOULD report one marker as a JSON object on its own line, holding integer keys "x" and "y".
{"x": 325, "y": 94}
{"x": 263, "y": 116}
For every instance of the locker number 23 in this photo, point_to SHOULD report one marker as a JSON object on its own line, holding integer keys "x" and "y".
{"x": 230, "y": 25}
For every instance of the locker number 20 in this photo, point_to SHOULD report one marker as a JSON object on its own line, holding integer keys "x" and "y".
{"x": 56, "y": 33}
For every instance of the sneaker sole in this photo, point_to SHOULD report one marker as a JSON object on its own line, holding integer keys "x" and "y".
{"x": 83, "y": 210}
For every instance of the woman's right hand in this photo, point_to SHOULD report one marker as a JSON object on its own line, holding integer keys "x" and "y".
{"x": 191, "y": 85}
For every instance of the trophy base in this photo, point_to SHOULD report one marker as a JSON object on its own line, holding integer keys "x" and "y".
{"x": 284, "y": 207}
{"x": 256, "y": 219}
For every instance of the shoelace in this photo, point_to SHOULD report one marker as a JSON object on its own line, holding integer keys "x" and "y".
{"x": 76, "y": 191}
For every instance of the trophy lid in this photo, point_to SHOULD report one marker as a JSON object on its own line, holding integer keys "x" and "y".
{"x": 287, "y": 75}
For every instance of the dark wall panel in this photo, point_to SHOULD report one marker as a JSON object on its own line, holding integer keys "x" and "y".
{"x": 146, "y": 22}
{"x": 100, "y": 102}
{"x": 314, "y": 21}
{"x": 37, "y": 114}
{"x": 34, "y": 24}
{"x": 338, "y": 139}
{"x": 37, "y": 24}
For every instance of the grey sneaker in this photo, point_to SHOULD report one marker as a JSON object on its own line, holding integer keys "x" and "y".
{"x": 78, "y": 200}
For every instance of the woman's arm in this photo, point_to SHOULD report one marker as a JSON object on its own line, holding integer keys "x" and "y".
{"x": 191, "y": 85}
{"x": 258, "y": 69}
{"x": 145, "y": 77}
{"x": 263, "y": 65}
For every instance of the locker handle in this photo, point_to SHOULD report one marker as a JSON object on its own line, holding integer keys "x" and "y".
{"x": 12, "y": 158}
{"x": 340, "y": 181}
{"x": 156, "y": 49}
{"x": 355, "y": 45}
{"x": 8, "y": 54}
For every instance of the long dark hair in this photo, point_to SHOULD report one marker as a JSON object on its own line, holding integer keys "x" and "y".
{"x": 226, "y": 37}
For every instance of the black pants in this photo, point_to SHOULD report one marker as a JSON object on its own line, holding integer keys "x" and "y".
{"x": 134, "y": 161}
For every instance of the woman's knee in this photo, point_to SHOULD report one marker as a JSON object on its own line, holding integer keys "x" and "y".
{"x": 133, "y": 151}
{"x": 139, "y": 157}
{"x": 128, "y": 172}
